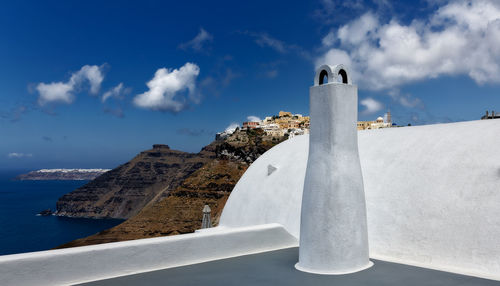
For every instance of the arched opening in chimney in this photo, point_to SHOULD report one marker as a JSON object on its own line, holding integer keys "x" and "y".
{"x": 343, "y": 74}
{"x": 323, "y": 77}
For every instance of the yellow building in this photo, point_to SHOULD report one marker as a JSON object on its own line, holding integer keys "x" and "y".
{"x": 287, "y": 122}
{"x": 362, "y": 125}
{"x": 285, "y": 113}
{"x": 377, "y": 124}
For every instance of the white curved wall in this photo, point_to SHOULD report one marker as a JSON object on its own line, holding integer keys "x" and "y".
{"x": 433, "y": 194}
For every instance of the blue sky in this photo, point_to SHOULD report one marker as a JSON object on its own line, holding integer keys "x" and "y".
{"x": 92, "y": 83}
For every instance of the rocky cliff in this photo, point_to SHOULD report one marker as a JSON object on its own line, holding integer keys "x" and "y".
{"x": 172, "y": 198}
{"x": 181, "y": 211}
{"x": 124, "y": 191}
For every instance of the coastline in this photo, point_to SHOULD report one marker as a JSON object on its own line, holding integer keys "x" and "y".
{"x": 22, "y": 230}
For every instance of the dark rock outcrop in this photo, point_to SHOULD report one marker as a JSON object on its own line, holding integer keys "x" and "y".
{"x": 124, "y": 191}
{"x": 46, "y": 212}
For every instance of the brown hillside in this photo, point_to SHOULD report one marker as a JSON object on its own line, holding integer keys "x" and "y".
{"x": 181, "y": 211}
{"x": 177, "y": 208}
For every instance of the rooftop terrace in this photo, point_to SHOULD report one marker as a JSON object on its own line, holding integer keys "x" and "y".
{"x": 276, "y": 268}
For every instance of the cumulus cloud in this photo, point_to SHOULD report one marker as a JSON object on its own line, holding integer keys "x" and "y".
{"x": 64, "y": 92}
{"x": 92, "y": 74}
{"x": 371, "y": 105}
{"x": 198, "y": 42}
{"x": 166, "y": 87}
{"x": 55, "y": 92}
{"x": 19, "y": 155}
{"x": 115, "y": 92}
{"x": 459, "y": 38}
{"x": 253, "y": 118}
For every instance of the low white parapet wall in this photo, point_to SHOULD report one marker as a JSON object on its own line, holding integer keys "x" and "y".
{"x": 96, "y": 262}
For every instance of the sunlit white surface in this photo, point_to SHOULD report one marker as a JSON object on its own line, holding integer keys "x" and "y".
{"x": 433, "y": 194}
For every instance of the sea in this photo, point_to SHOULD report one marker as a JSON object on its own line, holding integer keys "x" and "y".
{"x": 21, "y": 230}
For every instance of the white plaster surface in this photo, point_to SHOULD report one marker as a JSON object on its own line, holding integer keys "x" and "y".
{"x": 432, "y": 192}
{"x": 91, "y": 263}
{"x": 333, "y": 234}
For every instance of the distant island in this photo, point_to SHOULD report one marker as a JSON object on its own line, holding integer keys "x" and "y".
{"x": 62, "y": 174}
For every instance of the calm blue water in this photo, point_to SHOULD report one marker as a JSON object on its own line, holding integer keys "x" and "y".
{"x": 22, "y": 231}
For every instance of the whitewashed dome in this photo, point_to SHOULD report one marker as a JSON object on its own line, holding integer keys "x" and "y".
{"x": 429, "y": 189}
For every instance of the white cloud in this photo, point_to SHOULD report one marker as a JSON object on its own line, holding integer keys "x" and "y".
{"x": 231, "y": 128}
{"x": 198, "y": 41}
{"x": 165, "y": 87}
{"x": 371, "y": 105}
{"x": 19, "y": 155}
{"x": 63, "y": 92}
{"x": 329, "y": 39}
{"x": 116, "y": 92}
{"x": 253, "y": 118}
{"x": 460, "y": 38}
{"x": 55, "y": 92}
{"x": 357, "y": 31}
{"x": 92, "y": 74}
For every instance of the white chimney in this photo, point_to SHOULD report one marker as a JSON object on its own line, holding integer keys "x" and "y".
{"x": 333, "y": 230}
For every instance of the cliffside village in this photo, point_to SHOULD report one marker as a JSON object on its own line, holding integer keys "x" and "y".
{"x": 291, "y": 125}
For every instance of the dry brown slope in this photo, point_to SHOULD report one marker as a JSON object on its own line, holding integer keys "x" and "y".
{"x": 181, "y": 211}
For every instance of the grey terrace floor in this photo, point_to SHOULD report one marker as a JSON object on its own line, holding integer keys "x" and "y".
{"x": 277, "y": 268}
